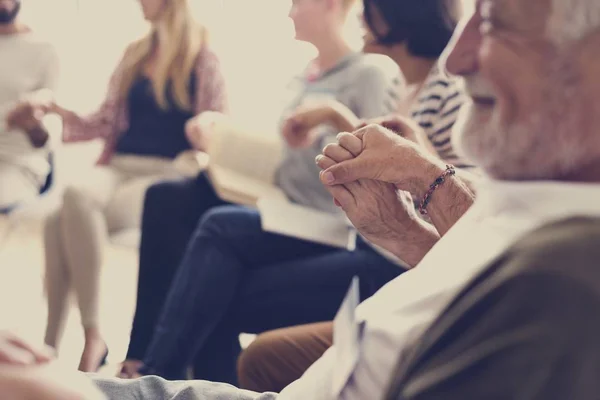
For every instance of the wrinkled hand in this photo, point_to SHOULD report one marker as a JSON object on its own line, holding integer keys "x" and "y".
{"x": 398, "y": 124}
{"x": 380, "y": 213}
{"x": 384, "y": 156}
{"x": 199, "y": 129}
{"x": 299, "y": 128}
{"x": 16, "y": 351}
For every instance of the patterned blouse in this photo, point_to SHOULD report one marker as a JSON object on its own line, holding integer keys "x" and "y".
{"x": 112, "y": 118}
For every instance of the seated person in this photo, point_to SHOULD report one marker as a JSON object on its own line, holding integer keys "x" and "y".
{"x": 541, "y": 168}
{"x": 525, "y": 327}
{"x": 559, "y": 185}
{"x": 414, "y": 35}
{"x": 163, "y": 82}
{"x": 234, "y": 277}
{"x": 29, "y": 65}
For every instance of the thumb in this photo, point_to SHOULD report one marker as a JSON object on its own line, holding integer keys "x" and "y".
{"x": 346, "y": 171}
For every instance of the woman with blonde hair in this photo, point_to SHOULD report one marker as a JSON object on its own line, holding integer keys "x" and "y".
{"x": 150, "y": 115}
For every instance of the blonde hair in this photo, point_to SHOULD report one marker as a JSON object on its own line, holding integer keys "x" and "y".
{"x": 180, "y": 39}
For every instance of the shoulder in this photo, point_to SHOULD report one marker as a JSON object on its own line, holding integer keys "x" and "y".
{"x": 207, "y": 57}
{"x": 565, "y": 249}
{"x": 374, "y": 67}
{"x": 38, "y": 44}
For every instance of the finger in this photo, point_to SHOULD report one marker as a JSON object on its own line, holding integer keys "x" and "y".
{"x": 324, "y": 162}
{"x": 361, "y": 124}
{"x": 399, "y": 125}
{"x": 350, "y": 142}
{"x": 342, "y": 197}
{"x": 16, "y": 356}
{"x": 360, "y": 133}
{"x": 38, "y": 114}
{"x": 347, "y": 171}
{"x": 40, "y": 354}
{"x": 337, "y": 153}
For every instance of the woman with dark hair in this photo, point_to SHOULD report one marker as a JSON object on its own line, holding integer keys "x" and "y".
{"x": 414, "y": 34}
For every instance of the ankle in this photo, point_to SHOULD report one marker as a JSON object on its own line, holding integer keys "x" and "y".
{"x": 92, "y": 334}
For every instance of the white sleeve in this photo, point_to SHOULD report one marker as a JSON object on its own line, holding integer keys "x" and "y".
{"x": 316, "y": 383}
{"x": 370, "y": 378}
{"x": 50, "y": 81}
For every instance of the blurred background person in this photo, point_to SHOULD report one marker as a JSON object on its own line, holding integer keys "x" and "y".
{"x": 163, "y": 82}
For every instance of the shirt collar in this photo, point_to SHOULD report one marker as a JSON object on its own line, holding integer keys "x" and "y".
{"x": 548, "y": 200}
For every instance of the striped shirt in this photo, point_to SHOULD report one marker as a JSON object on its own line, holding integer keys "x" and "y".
{"x": 436, "y": 109}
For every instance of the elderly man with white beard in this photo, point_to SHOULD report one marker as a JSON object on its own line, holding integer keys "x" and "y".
{"x": 530, "y": 68}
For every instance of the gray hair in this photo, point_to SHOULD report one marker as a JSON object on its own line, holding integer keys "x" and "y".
{"x": 573, "y": 20}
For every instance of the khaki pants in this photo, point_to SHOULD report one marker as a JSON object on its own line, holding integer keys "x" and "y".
{"x": 102, "y": 201}
{"x": 277, "y": 358}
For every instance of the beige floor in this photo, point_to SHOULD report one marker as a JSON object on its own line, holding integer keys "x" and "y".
{"x": 22, "y": 303}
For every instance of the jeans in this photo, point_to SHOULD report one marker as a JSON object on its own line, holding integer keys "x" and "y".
{"x": 170, "y": 215}
{"x": 236, "y": 278}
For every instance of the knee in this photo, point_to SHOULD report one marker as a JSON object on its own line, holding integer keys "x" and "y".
{"x": 158, "y": 192}
{"x": 214, "y": 221}
{"x": 257, "y": 360}
{"x": 229, "y": 221}
{"x": 168, "y": 197}
{"x": 72, "y": 197}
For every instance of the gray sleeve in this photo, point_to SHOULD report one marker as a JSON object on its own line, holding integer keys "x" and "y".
{"x": 373, "y": 93}
{"x": 376, "y": 90}
{"x": 155, "y": 388}
{"x": 533, "y": 338}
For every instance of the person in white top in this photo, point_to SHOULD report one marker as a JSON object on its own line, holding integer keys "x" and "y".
{"x": 531, "y": 124}
{"x": 29, "y": 67}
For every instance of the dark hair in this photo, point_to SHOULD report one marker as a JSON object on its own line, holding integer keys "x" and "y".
{"x": 426, "y": 26}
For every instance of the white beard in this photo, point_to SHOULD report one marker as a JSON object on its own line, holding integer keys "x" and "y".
{"x": 550, "y": 144}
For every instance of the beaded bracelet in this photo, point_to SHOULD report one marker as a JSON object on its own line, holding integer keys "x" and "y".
{"x": 441, "y": 179}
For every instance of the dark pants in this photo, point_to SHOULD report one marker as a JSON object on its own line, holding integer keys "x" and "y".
{"x": 171, "y": 213}
{"x": 236, "y": 278}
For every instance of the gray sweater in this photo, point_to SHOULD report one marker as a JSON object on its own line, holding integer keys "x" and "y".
{"x": 366, "y": 84}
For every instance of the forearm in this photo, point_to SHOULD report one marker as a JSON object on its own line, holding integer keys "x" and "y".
{"x": 343, "y": 118}
{"x": 409, "y": 243}
{"x": 414, "y": 244}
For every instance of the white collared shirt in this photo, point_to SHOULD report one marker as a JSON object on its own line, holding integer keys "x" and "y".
{"x": 398, "y": 313}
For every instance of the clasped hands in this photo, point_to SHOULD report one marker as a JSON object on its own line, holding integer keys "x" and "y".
{"x": 28, "y": 113}
{"x": 373, "y": 174}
